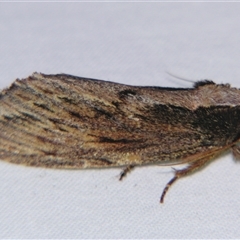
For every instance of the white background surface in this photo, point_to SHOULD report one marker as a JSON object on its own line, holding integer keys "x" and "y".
{"x": 133, "y": 43}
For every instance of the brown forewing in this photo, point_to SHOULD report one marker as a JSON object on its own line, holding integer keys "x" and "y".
{"x": 64, "y": 121}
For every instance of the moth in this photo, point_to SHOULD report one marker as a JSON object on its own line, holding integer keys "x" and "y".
{"x": 64, "y": 121}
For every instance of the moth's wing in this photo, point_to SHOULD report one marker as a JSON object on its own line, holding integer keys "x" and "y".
{"x": 63, "y": 121}
{"x": 69, "y": 122}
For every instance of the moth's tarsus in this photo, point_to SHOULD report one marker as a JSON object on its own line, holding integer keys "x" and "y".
{"x": 125, "y": 171}
{"x": 192, "y": 167}
{"x": 167, "y": 187}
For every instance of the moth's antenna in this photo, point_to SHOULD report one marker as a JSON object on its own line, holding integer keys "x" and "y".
{"x": 183, "y": 79}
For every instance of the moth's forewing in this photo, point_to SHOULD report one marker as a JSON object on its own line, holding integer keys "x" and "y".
{"x": 69, "y": 122}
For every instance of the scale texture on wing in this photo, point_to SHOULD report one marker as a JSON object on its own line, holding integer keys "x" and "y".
{"x": 64, "y": 121}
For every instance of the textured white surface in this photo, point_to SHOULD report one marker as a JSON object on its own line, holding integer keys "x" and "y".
{"x": 133, "y": 43}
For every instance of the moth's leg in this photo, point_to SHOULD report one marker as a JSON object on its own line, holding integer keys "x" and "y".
{"x": 125, "y": 171}
{"x": 185, "y": 171}
{"x": 236, "y": 152}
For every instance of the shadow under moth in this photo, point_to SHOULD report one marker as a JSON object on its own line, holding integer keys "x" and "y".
{"x": 63, "y": 121}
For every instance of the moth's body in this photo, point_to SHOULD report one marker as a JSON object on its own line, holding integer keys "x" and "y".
{"x": 62, "y": 121}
